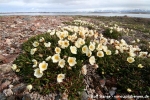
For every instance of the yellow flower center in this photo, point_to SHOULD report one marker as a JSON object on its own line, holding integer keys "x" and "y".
{"x": 43, "y": 66}
{"x": 56, "y": 57}
{"x": 60, "y": 76}
{"x": 99, "y": 54}
{"x": 66, "y": 43}
{"x": 70, "y": 60}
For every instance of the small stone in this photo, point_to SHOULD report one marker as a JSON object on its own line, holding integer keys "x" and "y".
{"x": 102, "y": 82}
{"x": 12, "y": 26}
{"x": 8, "y": 41}
{"x": 4, "y": 85}
{"x": 41, "y": 98}
{"x": 57, "y": 97}
{"x": 84, "y": 95}
{"x": 98, "y": 91}
{"x": 2, "y": 96}
{"x": 26, "y": 97}
{"x": 33, "y": 28}
{"x": 35, "y": 96}
{"x": 64, "y": 96}
{"x": 114, "y": 88}
{"x": 11, "y": 98}
{"x": 19, "y": 89}
{"x": 8, "y": 92}
{"x": 111, "y": 92}
{"x": 5, "y": 68}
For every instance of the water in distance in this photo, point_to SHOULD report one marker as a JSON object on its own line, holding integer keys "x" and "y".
{"x": 140, "y": 15}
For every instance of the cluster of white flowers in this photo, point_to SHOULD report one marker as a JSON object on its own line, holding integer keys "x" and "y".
{"x": 83, "y": 23}
{"x": 116, "y": 27}
{"x": 75, "y": 41}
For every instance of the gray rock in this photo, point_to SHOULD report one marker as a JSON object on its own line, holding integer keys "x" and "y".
{"x": 5, "y": 68}
{"x": 8, "y": 92}
{"x": 111, "y": 92}
{"x": 19, "y": 89}
{"x": 84, "y": 96}
{"x": 57, "y": 97}
{"x": 114, "y": 88}
{"x": 2, "y": 96}
{"x": 26, "y": 97}
{"x": 11, "y": 98}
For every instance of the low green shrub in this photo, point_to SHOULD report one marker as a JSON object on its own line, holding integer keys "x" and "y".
{"x": 56, "y": 61}
{"x": 112, "y": 33}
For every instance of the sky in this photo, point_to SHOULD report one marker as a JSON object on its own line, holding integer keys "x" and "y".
{"x": 70, "y": 5}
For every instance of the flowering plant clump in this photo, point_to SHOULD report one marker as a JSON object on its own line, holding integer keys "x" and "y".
{"x": 83, "y": 23}
{"x": 50, "y": 62}
{"x": 112, "y": 33}
{"x": 56, "y": 61}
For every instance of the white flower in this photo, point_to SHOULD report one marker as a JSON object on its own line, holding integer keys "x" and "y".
{"x": 103, "y": 72}
{"x": 99, "y": 47}
{"x": 143, "y": 54}
{"x": 55, "y": 58}
{"x": 100, "y": 54}
{"x": 72, "y": 61}
{"x": 116, "y": 52}
{"x": 84, "y": 70}
{"x": 14, "y": 67}
{"x": 65, "y": 44}
{"x": 42, "y": 39}
{"x": 48, "y": 58}
{"x": 132, "y": 54}
{"x": 105, "y": 48}
{"x": 108, "y": 52}
{"x": 73, "y": 49}
{"x": 138, "y": 40}
{"x": 89, "y": 53}
{"x": 60, "y": 77}
{"x": 48, "y": 31}
{"x": 34, "y": 62}
{"x": 57, "y": 50}
{"x": 81, "y": 41}
{"x": 29, "y": 87}
{"x": 52, "y": 32}
{"x": 123, "y": 42}
{"x": 38, "y": 73}
{"x": 111, "y": 31}
{"x": 77, "y": 44}
{"x": 91, "y": 33}
{"x": 17, "y": 70}
{"x": 33, "y": 51}
{"x": 43, "y": 66}
{"x": 61, "y": 35}
{"x": 35, "y": 44}
{"x": 148, "y": 55}
{"x": 91, "y": 46}
{"x": 72, "y": 38}
{"x": 60, "y": 42}
{"x": 92, "y": 60}
{"x": 140, "y": 66}
{"x": 85, "y": 49}
{"x": 130, "y": 59}
{"x": 133, "y": 41}
{"x": 61, "y": 63}
{"x": 129, "y": 90}
{"x": 96, "y": 66}
{"x": 47, "y": 44}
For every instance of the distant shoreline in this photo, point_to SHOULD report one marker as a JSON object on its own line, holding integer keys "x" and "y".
{"x": 105, "y": 14}
{"x": 78, "y": 12}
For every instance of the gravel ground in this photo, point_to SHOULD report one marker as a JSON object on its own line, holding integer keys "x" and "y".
{"x": 14, "y": 30}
